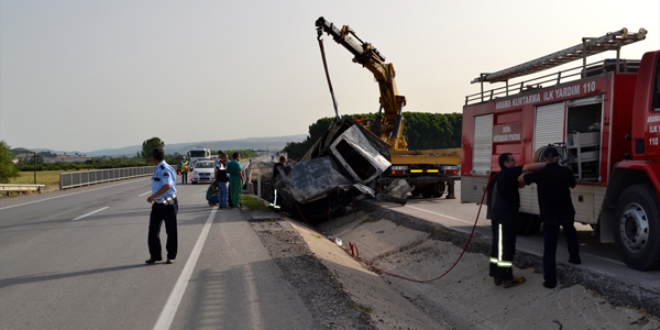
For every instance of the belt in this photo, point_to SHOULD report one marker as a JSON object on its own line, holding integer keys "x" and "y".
{"x": 166, "y": 201}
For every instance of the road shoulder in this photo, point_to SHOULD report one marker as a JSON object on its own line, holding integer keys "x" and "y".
{"x": 319, "y": 289}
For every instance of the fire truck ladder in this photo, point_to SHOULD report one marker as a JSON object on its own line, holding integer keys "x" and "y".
{"x": 589, "y": 47}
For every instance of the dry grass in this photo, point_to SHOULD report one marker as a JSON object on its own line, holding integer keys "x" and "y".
{"x": 43, "y": 177}
{"x": 252, "y": 203}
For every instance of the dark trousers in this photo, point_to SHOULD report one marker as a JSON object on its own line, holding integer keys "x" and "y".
{"x": 504, "y": 229}
{"x": 550, "y": 236}
{"x": 160, "y": 213}
{"x": 184, "y": 177}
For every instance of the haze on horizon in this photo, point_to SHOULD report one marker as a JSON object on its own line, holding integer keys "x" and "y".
{"x": 88, "y": 75}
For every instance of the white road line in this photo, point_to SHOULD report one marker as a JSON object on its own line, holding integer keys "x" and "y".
{"x": 442, "y": 215}
{"x": 167, "y": 315}
{"x": 76, "y": 193}
{"x": 90, "y": 213}
{"x": 143, "y": 194}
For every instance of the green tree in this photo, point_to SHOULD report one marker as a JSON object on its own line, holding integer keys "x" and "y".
{"x": 7, "y": 169}
{"x": 149, "y": 145}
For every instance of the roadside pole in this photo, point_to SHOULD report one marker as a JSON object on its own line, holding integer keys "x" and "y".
{"x": 34, "y": 159}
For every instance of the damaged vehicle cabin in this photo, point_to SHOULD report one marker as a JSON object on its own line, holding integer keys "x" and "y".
{"x": 344, "y": 166}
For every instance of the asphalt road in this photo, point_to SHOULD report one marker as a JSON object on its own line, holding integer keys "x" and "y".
{"x": 601, "y": 259}
{"x": 75, "y": 260}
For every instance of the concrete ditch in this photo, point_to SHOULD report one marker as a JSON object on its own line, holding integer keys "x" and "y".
{"x": 617, "y": 292}
{"x": 466, "y": 298}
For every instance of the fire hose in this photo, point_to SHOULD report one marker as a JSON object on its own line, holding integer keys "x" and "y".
{"x": 354, "y": 252}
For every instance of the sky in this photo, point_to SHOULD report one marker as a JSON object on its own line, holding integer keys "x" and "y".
{"x": 87, "y": 75}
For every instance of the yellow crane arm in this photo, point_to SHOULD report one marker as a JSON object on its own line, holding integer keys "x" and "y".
{"x": 390, "y": 127}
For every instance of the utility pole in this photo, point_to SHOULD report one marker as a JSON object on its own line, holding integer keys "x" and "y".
{"x": 34, "y": 158}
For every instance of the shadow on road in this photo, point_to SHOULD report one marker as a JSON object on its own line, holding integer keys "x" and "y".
{"x": 47, "y": 277}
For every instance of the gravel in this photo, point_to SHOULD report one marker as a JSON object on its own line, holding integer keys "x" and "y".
{"x": 330, "y": 306}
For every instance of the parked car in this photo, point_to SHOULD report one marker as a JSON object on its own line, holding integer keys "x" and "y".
{"x": 203, "y": 172}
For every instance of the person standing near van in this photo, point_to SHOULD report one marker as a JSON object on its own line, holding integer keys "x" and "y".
{"x": 184, "y": 169}
{"x": 222, "y": 179}
{"x": 235, "y": 179}
{"x": 164, "y": 209}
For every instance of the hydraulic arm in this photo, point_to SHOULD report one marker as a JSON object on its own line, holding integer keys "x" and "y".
{"x": 389, "y": 124}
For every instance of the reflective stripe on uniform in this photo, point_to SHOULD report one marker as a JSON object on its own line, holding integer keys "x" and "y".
{"x": 499, "y": 243}
{"x": 505, "y": 264}
{"x": 493, "y": 260}
{"x": 500, "y": 251}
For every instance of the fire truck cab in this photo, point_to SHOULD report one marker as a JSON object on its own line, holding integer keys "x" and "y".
{"x": 604, "y": 117}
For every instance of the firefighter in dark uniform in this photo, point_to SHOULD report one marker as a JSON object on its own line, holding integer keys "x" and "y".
{"x": 554, "y": 184}
{"x": 165, "y": 207}
{"x": 504, "y": 223}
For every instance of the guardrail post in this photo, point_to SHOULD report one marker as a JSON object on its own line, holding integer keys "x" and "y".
{"x": 259, "y": 185}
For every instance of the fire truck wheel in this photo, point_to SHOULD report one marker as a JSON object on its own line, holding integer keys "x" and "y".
{"x": 639, "y": 227}
{"x": 528, "y": 224}
{"x": 438, "y": 189}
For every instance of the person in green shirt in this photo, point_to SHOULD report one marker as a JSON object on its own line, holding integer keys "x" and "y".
{"x": 212, "y": 194}
{"x": 235, "y": 179}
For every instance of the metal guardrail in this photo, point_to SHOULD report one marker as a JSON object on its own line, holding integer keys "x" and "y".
{"x": 20, "y": 187}
{"x": 82, "y": 178}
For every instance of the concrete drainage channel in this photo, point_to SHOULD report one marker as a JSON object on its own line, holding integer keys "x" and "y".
{"x": 466, "y": 297}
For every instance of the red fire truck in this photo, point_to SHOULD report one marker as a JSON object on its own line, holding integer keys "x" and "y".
{"x": 604, "y": 117}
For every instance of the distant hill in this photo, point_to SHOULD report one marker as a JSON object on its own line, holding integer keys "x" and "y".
{"x": 20, "y": 151}
{"x": 250, "y": 143}
{"x": 277, "y": 142}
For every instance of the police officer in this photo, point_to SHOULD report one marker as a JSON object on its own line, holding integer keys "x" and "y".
{"x": 554, "y": 183}
{"x": 164, "y": 208}
{"x": 504, "y": 223}
{"x": 184, "y": 170}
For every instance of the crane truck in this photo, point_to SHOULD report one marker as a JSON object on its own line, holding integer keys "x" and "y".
{"x": 604, "y": 117}
{"x": 429, "y": 171}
